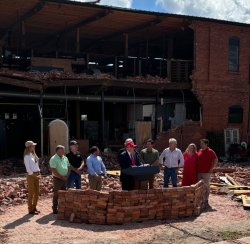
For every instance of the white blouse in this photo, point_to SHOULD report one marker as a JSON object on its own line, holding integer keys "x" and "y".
{"x": 31, "y": 164}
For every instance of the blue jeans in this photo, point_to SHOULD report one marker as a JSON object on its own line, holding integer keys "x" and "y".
{"x": 74, "y": 179}
{"x": 170, "y": 173}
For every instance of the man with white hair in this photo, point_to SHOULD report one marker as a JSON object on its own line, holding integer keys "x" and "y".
{"x": 172, "y": 159}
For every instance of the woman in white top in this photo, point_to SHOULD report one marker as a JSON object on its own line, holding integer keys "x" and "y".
{"x": 32, "y": 168}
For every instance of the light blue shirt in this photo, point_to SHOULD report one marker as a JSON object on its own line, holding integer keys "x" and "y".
{"x": 95, "y": 165}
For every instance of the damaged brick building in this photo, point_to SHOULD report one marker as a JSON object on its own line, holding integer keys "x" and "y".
{"x": 102, "y": 70}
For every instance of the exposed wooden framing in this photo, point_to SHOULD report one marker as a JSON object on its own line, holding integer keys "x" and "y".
{"x": 78, "y": 130}
{"x": 22, "y": 34}
{"x": 116, "y": 66}
{"x": 156, "y": 114}
{"x": 77, "y": 39}
{"x": 126, "y": 45}
{"x": 127, "y": 31}
{"x": 34, "y": 10}
{"x": 80, "y": 24}
{"x": 20, "y": 83}
{"x": 103, "y": 120}
{"x": 169, "y": 56}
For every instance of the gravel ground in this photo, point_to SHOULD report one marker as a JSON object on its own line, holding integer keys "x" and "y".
{"x": 226, "y": 219}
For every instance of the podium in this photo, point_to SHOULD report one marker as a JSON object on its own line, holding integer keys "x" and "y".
{"x": 141, "y": 173}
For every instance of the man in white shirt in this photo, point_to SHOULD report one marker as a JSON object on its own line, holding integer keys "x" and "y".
{"x": 172, "y": 159}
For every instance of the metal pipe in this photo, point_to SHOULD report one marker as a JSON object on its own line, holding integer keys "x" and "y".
{"x": 90, "y": 98}
{"x": 87, "y": 98}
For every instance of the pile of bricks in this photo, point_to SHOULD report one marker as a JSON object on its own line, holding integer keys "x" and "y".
{"x": 11, "y": 166}
{"x": 119, "y": 207}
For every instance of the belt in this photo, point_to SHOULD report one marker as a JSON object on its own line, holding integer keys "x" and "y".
{"x": 37, "y": 172}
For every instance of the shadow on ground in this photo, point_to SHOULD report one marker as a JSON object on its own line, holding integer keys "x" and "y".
{"x": 20, "y": 221}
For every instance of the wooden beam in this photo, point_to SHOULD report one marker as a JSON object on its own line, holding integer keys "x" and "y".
{"x": 80, "y": 24}
{"x": 31, "y": 12}
{"x": 118, "y": 83}
{"x": 127, "y": 31}
{"x": 20, "y": 83}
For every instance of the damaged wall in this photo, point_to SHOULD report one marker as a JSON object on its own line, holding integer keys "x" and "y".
{"x": 215, "y": 86}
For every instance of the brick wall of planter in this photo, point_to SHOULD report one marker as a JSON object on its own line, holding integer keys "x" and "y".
{"x": 119, "y": 207}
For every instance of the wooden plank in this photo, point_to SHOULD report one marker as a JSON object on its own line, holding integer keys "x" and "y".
{"x": 142, "y": 132}
{"x": 224, "y": 178}
{"x": 238, "y": 192}
{"x": 113, "y": 172}
{"x": 245, "y": 201}
{"x": 232, "y": 180}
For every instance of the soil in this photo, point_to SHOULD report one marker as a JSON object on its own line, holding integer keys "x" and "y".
{"x": 224, "y": 220}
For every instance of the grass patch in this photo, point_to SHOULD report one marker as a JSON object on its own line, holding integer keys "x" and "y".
{"x": 230, "y": 235}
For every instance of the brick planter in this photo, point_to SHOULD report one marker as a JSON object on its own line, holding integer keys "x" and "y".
{"x": 119, "y": 207}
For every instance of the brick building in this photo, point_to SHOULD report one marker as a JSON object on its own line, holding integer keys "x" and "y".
{"x": 188, "y": 77}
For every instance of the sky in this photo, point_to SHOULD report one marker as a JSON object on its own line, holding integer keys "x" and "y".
{"x": 231, "y": 10}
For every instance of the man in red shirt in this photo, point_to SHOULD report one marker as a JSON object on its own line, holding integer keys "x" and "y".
{"x": 206, "y": 161}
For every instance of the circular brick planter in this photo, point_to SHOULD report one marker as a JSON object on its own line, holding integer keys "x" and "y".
{"x": 119, "y": 207}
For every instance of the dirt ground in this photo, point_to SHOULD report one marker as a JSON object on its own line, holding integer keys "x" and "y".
{"x": 225, "y": 220}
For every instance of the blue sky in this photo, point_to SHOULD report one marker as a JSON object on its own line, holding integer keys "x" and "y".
{"x": 232, "y": 10}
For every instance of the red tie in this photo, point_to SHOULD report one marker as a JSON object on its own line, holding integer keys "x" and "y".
{"x": 132, "y": 159}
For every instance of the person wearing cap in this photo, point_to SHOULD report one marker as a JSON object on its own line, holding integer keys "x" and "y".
{"x": 172, "y": 159}
{"x": 59, "y": 165}
{"x": 96, "y": 169}
{"x": 76, "y": 165}
{"x": 33, "y": 175}
{"x": 128, "y": 158}
{"x": 124, "y": 148}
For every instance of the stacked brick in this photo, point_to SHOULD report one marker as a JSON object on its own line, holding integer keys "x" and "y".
{"x": 119, "y": 207}
{"x": 200, "y": 197}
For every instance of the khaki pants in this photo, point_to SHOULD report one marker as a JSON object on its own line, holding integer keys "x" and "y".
{"x": 33, "y": 192}
{"x": 95, "y": 182}
{"x": 206, "y": 178}
{"x": 58, "y": 185}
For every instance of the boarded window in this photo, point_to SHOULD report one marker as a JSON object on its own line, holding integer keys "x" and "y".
{"x": 235, "y": 114}
{"x": 233, "y": 54}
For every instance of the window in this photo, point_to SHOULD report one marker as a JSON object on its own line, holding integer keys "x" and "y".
{"x": 235, "y": 114}
{"x": 233, "y": 54}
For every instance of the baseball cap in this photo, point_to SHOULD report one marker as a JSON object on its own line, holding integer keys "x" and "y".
{"x": 30, "y": 143}
{"x": 130, "y": 144}
{"x": 71, "y": 143}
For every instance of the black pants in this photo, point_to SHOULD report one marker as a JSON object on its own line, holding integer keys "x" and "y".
{"x": 128, "y": 182}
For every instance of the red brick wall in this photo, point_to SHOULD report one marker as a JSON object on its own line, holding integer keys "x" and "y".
{"x": 118, "y": 207}
{"x": 215, "y": 87}
{"x": 188, "y": 132}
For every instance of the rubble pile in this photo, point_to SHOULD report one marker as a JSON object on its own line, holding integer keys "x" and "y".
{"x": 11, "y": 166}
{"x": 13, "y": 191}
{"x": 234, "y": 184}
{"x": 57, "y": 75}
{"x": 239, "y": 173}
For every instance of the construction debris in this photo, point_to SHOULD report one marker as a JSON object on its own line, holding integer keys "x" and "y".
{"x": 235, "y": 185}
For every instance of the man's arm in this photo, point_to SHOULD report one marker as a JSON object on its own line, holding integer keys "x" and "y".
{"x": 90, "y": 167}
{"x": 215, "y": 161}
{"x": 162, "y": 157}
{"x": 82, "y": 165}
{"x": 156, "y": 162}
{"x": 181, "y": 158}
{"x": 103, "y": 168}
